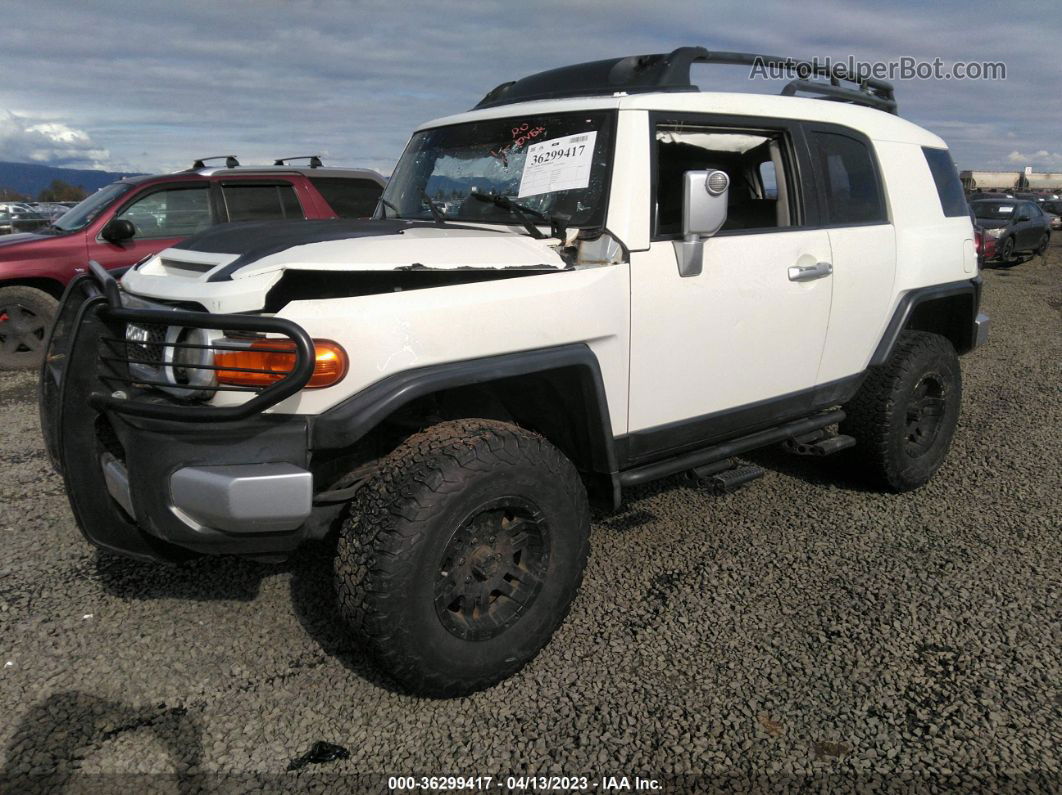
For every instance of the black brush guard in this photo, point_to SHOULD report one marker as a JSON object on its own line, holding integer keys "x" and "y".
{"x": 88, "y": 360}
{"x": 147, "y": 434}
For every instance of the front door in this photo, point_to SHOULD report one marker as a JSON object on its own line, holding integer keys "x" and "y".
{"x": 713, "y": 352}
{"x": 163, "y": 216}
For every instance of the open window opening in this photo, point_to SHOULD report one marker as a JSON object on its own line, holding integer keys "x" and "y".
{"x": 759, "y": 196}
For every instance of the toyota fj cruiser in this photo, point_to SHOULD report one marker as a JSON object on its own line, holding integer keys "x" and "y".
{"x": 598, "y": 277}
{"x": 125, "y": 221}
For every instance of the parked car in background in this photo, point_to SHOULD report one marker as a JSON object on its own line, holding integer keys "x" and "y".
{"x": 20, "y": 217}
{"x": 1010, "y": 227}
{"x": 51, "y": 210}
{"x": 132, "y": 218}
{"x": 1053, "y": 208}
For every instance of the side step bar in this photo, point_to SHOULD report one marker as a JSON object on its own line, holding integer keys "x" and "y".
{"x": 819, "y": 443}
{"x": 725, "y": 477}
{"x": 720, "y": 452}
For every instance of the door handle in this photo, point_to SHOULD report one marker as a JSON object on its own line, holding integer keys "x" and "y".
{"x": 807, "y": 273}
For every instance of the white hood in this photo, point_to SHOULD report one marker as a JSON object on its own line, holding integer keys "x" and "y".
{"x": 428, "y": 247}
{"x": 238, "y": 282}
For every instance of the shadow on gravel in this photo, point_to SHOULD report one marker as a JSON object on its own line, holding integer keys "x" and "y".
{"x": 835, "y": 470}
{"x": 203, "y": 579}
{"x": 313, "y": 597}
{"x": 223, "y": 578}
{"x": 55, "y": 735}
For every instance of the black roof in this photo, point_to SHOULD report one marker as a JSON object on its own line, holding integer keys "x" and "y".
{"x": 671, "y": 72}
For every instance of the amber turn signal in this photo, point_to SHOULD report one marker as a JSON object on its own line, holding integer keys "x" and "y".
{"x": 267, "y": 361}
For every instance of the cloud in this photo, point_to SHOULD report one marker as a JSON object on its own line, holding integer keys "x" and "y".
{"x": 1041, "y": 160}
{"x": 179, "y": 80}
{"x": 53, "y": 143}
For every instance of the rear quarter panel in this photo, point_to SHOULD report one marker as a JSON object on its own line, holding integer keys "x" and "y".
{"x": 930, "y": 247}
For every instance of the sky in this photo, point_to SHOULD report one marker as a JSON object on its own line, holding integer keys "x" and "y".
{"x": 144, "y": 85}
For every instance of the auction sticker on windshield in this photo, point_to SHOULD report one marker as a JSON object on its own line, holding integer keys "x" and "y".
{"x": 560, "y": 164}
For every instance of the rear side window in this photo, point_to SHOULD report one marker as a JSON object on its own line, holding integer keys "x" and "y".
{"x": 250, "y": 202}
{"x": 946, "y": 178}
{"x": 349, "y": 198}
{"x": 852, "y": 189}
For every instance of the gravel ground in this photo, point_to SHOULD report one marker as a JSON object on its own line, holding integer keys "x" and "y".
{"x": 798, "y": 630}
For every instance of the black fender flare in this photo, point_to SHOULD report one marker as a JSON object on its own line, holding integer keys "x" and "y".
{"x": 344, "y": 424}
{"x": 913, "y": 299}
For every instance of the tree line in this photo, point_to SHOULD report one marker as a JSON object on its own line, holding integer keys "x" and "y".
{"x": 57, "y": 191}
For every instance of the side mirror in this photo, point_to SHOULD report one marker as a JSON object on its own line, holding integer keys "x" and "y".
{"x": 118, "y": 230}
{"x": 704, "y": 201}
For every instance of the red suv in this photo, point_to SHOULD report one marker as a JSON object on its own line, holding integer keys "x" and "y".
{"x": 126, "y": 221}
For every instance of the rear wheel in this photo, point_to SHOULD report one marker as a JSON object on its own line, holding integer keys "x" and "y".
{"x": 463, "y": 555}
{"x": 26, "y": 314}
{"x": 1006, "y": 251}
{"x": 905, "y": 414}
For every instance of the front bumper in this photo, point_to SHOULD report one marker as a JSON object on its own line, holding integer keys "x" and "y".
{"x": 242, "y": 489}
{"x": 148, "y": 486}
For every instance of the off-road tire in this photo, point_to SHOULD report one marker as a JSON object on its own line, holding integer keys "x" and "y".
{"x": 890, "y": 448}
{"x": 26, "y": 315}
{"x": 404, "y": 523}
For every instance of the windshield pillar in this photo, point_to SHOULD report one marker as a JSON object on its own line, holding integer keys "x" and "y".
{"x": 630, "y": 204}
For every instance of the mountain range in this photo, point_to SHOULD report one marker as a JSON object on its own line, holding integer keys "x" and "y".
{"x": 31, "y": 178}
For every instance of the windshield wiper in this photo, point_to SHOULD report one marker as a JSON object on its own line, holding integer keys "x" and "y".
{"x": 525, "y": 214}
{"x": 386, "y": 203}
{"x": 440, "y": 220}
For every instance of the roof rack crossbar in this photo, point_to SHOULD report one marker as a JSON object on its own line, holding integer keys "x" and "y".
{"x": 315, "y": 160}
{"x": 671, "y": 72}
{"x": 230, "y": 161}
{"x": 840, "y": 94}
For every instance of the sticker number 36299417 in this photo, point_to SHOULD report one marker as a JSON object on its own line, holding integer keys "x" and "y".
{"x": 558, "y": 164}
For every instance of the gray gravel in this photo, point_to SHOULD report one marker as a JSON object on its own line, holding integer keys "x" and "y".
{"x": 801, "y": 627}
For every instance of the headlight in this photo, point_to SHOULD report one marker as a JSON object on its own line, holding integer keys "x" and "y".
{"x": 188, "y": 361}
{"x": 994, "y": 233}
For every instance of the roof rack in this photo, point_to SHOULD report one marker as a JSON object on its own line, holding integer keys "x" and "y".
{"x": 315, "y": 160}
{"x": 230, "y": 161}
{"x": 671, "y": 72}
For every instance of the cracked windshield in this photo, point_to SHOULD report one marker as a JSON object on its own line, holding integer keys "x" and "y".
{"x": 550, "y": 167}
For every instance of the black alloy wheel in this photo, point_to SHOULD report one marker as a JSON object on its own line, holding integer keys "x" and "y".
{"x": 492, "y": 569}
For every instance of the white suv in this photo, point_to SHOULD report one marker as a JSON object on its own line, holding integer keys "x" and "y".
{"x": 598, "y": 277}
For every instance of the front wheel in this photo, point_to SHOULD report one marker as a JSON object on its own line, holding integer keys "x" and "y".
{"x": 905, "y": 413}
{"x": 463, "y": 555}
{"x": 26, "y": 314}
